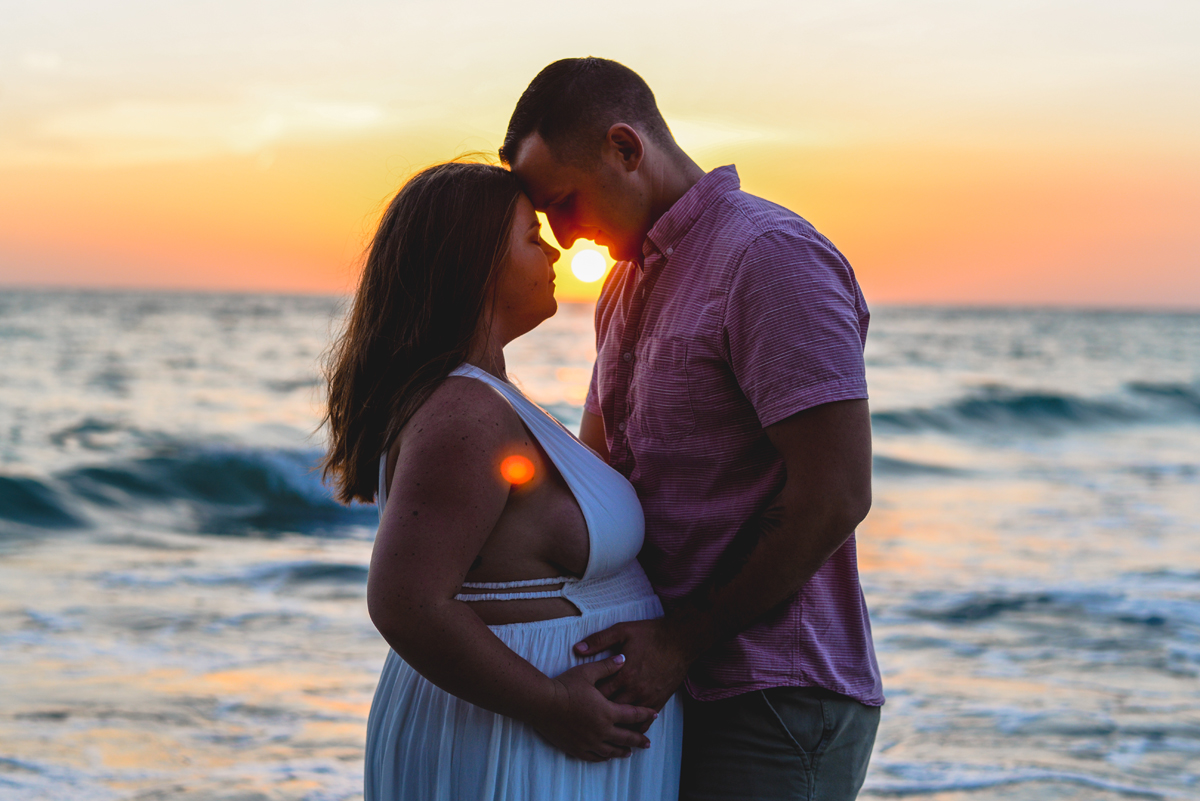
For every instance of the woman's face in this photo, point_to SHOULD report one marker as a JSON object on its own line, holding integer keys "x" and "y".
{"x": 525, "y": 285}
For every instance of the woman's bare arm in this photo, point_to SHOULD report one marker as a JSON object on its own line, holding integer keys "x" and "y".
{"x": 445, "y": 499}
{"x": 591, "y": 433}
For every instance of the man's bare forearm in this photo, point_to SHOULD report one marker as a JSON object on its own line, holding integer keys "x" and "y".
{"x": 827, "y": 493}
{"x": 786, "y": 552}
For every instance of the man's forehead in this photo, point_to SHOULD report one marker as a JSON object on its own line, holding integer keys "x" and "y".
{"x": 540, "y": 172}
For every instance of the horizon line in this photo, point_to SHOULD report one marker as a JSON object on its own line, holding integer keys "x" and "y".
{"x": 930, "y": 304}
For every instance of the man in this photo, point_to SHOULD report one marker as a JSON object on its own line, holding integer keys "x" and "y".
{"x": 729, "y": 388}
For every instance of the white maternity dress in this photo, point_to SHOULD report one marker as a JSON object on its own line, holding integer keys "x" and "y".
{"x": 424, "y": 744}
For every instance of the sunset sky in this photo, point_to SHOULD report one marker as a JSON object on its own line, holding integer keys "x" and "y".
{"x": 986, "y": 152}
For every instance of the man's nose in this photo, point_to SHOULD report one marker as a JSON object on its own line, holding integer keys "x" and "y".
{"x": 564, "y": 233}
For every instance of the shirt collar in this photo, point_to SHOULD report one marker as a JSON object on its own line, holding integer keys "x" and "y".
{"x": 672, "y": 226}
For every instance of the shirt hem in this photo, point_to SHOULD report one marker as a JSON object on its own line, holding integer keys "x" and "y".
{"x": 721, "y": 693}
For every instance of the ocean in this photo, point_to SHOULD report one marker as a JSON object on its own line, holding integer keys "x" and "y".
{"x": 182, "y": 603}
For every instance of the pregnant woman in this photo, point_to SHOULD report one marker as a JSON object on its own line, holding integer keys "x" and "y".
{"x": 502, "y": 540}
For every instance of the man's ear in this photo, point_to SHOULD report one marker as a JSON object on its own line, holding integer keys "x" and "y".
{"x": 625, "y": 142}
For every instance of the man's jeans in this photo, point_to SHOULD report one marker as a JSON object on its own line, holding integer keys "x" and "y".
{"x": 783, "y": 743}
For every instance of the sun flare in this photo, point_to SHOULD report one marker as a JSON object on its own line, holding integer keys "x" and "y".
{"x": 516, "y": 469}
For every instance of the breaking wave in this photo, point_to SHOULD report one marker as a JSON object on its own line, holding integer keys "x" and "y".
{"x": 998, "y": 408}
{"x": 207, "y": 490}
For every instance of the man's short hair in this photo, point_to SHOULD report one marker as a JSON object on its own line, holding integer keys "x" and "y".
{"x": 572, "y": 103}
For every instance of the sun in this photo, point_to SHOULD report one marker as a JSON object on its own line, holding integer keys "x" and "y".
{"x": 588, "y": 266}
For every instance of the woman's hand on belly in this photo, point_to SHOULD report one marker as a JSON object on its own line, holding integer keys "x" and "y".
{"x": 582, "y": 722}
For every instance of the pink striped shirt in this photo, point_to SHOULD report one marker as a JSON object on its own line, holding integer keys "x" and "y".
{"x": 742, "y": 316}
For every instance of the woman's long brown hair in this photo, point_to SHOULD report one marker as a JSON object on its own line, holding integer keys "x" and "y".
{"x": 427, "y": 277}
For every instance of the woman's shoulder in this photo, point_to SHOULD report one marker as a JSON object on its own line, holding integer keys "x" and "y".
{"x": 463, "y": 427}
{"x": 461, "y": 409}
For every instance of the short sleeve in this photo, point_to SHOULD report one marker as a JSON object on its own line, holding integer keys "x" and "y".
{"x": 795, "y": 326}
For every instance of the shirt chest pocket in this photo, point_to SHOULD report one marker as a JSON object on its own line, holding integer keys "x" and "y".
{"x": 660, "y": 393}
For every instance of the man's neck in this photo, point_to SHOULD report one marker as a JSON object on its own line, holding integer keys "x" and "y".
{"x": 672, "y": 181}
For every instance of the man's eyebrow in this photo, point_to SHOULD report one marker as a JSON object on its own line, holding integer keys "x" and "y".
{"x": 535, "y": 224}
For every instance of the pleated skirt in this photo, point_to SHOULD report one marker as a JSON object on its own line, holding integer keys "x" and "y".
{"x": 424, "y": 744}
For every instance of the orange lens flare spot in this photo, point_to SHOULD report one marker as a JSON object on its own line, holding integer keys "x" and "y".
{"x": 516, "y": 469}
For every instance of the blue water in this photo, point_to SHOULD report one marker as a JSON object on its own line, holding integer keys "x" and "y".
{"x": 182, "y": 603}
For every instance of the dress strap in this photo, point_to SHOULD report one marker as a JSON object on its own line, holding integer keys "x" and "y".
{"x": 381, "y": 493}
{"x": 508, "y": 585}
{"x": 565, "y": 581}
{"x": 507, "y": 596}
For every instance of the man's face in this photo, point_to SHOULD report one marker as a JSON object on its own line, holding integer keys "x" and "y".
{"x": 599, "y": 201}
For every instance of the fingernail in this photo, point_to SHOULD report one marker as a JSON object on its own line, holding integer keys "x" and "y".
{"x": 581, "y": 648}
{"x": 619, "y": 659}
{"x": 656, "y": 716}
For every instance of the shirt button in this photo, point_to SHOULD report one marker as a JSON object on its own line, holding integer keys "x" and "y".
{"x": 670, "y": 251}
{"x": 627, "y": 357}
{"x": 621, "y": 426}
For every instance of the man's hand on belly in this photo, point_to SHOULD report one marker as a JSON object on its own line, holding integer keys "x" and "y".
{"x": 657, "y": 653}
